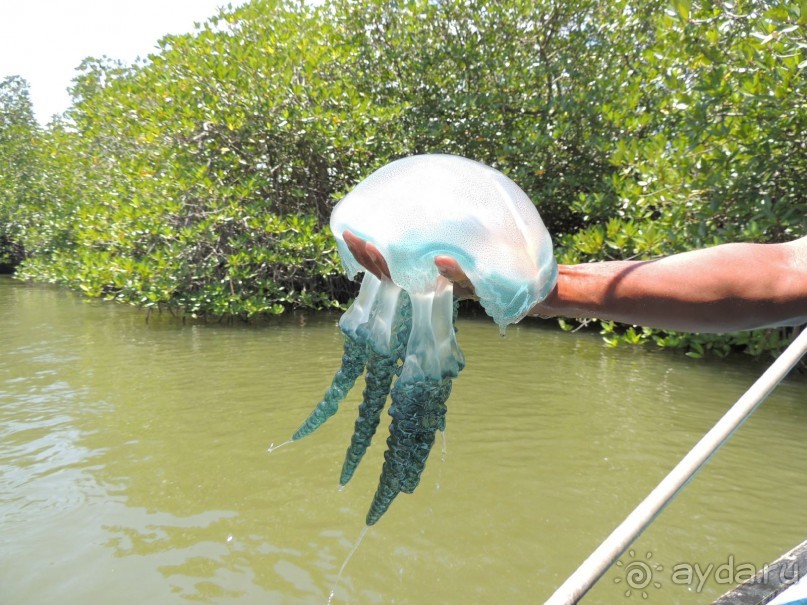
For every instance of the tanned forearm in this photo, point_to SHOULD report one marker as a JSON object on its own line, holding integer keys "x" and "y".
{"x": 721, "y": 289}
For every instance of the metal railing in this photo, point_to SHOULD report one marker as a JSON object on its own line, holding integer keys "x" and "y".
{"x": 592, "y": 569}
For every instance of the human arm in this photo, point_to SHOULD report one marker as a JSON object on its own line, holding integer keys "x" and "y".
{"x": 725, "y": 288}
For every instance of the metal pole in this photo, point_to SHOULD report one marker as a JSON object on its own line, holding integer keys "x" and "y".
{"x": 581, "y": 581}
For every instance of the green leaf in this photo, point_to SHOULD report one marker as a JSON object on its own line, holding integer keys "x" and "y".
{"x": 681, "y": 7}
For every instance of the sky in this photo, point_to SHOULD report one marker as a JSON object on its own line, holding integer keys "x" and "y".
{"x": 44, "y": 41}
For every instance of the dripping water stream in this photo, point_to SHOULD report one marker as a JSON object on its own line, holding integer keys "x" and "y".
{"x": 345, "y": 562}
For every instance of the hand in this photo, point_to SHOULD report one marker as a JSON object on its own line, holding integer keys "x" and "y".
{"x": 371, "y": 259}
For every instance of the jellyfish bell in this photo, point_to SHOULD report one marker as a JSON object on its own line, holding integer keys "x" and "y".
{"x": 424, "y": 206}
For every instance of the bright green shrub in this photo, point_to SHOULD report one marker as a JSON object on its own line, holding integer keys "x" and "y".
{"x": 19, "y": 166}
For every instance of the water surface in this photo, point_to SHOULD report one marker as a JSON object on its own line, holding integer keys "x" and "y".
{"x": 133, "y": 466}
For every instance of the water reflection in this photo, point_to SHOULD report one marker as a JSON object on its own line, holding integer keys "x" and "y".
{"x": 133, "y": 464}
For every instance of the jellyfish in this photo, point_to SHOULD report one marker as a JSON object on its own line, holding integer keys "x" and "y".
{"x": 402, "y": 330}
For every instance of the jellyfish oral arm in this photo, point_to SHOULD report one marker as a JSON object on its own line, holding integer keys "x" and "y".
{"x": 432, "y": 352}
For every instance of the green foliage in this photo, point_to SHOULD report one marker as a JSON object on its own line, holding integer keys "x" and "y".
{"x": 187, "y": 182}
{"x": 716, "y": 125}
{"x": 202, "y": 177}
{"x": 718, "y": 152}
{"x": 19, "y": 139}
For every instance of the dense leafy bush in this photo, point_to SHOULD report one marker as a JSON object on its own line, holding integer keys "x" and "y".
{"x": 202, "y": 178}
{"x": 19, "y": 166}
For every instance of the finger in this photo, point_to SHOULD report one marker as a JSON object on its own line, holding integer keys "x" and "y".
{"x": 354, "y": 244}
{"x": 367, "y": 255}
{"x": 451, "y": 270}
{"x": 377, "y": 260}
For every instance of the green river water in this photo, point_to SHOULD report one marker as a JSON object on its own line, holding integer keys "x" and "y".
{"x": 134, "y": 466}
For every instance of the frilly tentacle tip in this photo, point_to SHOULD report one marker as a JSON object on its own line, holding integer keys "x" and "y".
{"x": 370, "y": 521}
{"x": 345, "y": 478}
